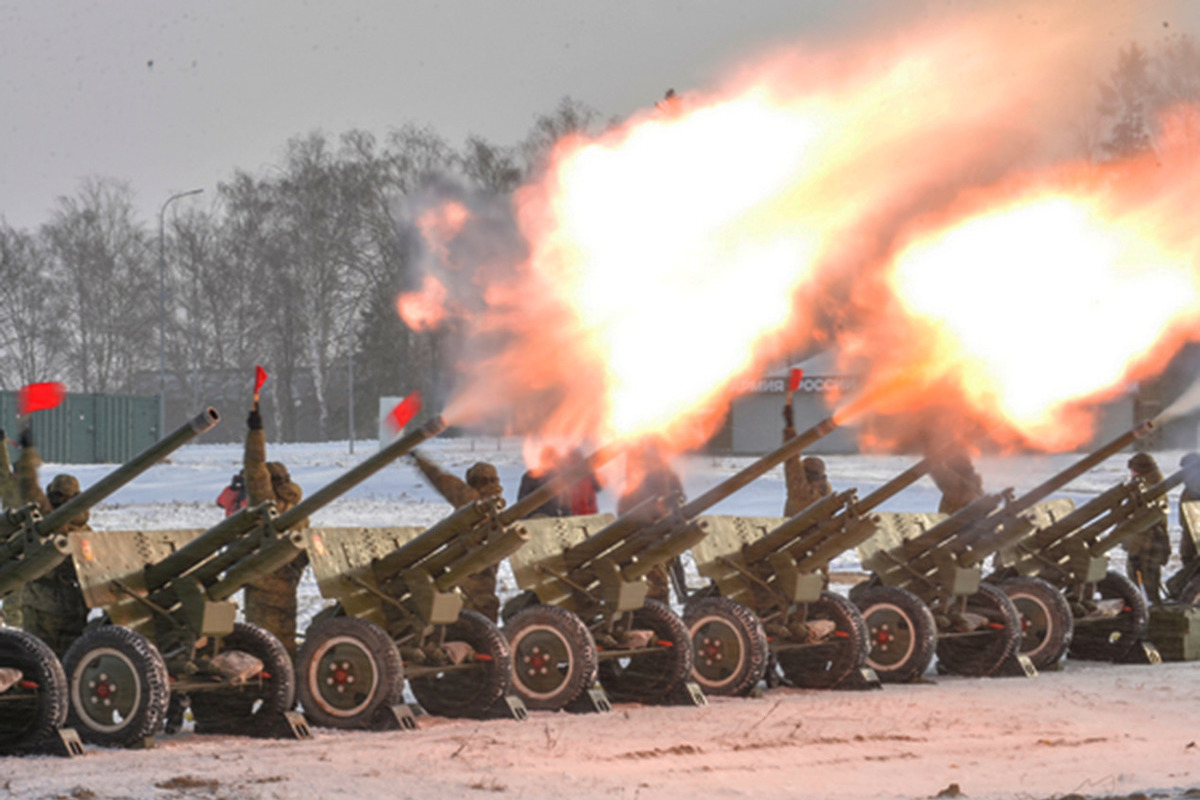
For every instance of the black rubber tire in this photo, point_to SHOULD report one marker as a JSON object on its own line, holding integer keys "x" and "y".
{"x": 474, "y": 692}
{"x": 111, "y": 660}
{"x": 1190, "y": 594}
{"x": 730, "y": 646}
{"x": 652, "y": 676}
{"x": 554, "y": 656}
{"x": 1047, "y": 625}
{"x": 1113, "y": 639}
{"x": 826, "y": 664}
{"x": 255, "y": 708}
{"x": 37, "y": 706}
{"x": 347, "y": 671}
{"x": 901, "y": 633}
{"x": 983, "y": 653}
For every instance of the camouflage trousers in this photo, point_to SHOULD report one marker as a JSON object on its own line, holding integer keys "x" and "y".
{"x": 480, "y": 592}
{"x": 52, "y": 610}
{"x": 1148, "y": 574}
{"x": 270, "y": 602}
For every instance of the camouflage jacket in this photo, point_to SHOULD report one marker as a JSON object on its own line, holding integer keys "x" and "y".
{"x": 8, "y": 481}
{"x": 801, "y": 493}
{"x": 454, "y": 489}
{"x": 1153, "y": 545}
{"x": 259, "y": 485}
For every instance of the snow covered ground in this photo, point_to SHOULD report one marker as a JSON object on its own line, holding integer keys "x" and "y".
{"x": 1091, "y": 729}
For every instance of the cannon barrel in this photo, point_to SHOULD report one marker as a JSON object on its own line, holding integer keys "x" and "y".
{"x": 200, "y": 548}
{"x": 612, "y": 534}
{"x": 273, "y": 555}
{"x": 679, "y": 541}
{"x": 558, "y": 482}
{"x": 792, "y": 447}
{"x": 357, "y": 474}
{"x": 125, "y": 473}
{"x": 629, "y": 536}
{"x": 858, "y": 508}
{"x": 1061, "y": 479}
{"x": 501, "y": 547}
{"x": 1071, "y": 525}
{"x": 954, "y": 524}
{"x": 39, "y": 560}
{"x": 819, "y": 511}
{"x": 462, "y": 520}
{"x": 1140, "y": 517}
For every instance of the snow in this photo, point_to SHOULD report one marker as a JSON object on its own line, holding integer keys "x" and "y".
{"x": 1092, "y": 729}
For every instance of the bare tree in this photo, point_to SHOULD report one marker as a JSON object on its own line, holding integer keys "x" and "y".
{"x": 31, "y": 322}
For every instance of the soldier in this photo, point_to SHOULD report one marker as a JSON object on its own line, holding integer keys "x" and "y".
{"x": 482, "y": 480}
{"x": 805, "y": 478}
{"x": 531, "y": 481}
{"x": 960, "y": 484}
{"x": 657, "y": 479}
{"x": 270, "y": 601}
{"x": 582, "y": 494}
{"x": 1150, "y": 550}
{"x": 10, "y": 613}
{"x": 1190, "y": 464}
{"x": 51, "y": 607}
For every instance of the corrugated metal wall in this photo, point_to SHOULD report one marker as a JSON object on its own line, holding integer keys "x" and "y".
{"x": 89, "y": 428}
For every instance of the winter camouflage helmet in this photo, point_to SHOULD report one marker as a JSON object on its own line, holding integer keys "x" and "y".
{"x": 62, "y": 489}
{"x": 1142, "y": 464}
{"x": 814, "y": 468}
{"x": 483, "y": 478}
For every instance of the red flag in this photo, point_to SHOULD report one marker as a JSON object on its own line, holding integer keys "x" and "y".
{"x": 260, "y": 377}
{"x": 39, "y": 397}
{"x": 794, "y": 380}
{"x": 404, "y": 411}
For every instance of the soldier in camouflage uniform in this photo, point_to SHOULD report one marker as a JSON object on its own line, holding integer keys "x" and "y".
{"x": 805, "y": 478}
{"x": 52, "y": 607}
{"x": 10, "y": 613}
{"x": 270, "y": 601}
{"x": 482, "y": 481}
{"x": 1190, "y": 464}
{"x": 1150, "y": 550}
{"x": 958, "y": 481}
{"x": 657, "y": 480}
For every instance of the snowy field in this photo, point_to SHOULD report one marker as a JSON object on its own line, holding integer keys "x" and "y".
{"x": 1095, "y": 730}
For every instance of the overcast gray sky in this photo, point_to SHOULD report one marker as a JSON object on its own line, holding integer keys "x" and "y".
{"x": 175, "y": 95}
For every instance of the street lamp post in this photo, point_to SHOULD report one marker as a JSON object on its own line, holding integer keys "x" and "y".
{"x": 162, "y": 310}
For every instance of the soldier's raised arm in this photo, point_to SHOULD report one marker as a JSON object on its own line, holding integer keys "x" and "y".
{"x": 254, "y": 460}
{"x": 8, "y": 482}
{"x": 454, "y": 489}
{"x": 28, "y": 463}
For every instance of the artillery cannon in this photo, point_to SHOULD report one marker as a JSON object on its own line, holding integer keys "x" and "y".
{"x": 940, "y": 558}
{"x": 595, "y": 567}
{"x": 768, "y": 579}
{"x": 399, "y": 613}
{"x": 1059, "y": 575}
{"x": 34, "y": 698}
{"x": 170, "y": 629}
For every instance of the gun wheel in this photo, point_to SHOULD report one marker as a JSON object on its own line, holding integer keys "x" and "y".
{"x": 901, "y": 633}
{"x": 34, "y": 707}
{"x": 730, "y": 646}
{"x": 254, "y": 707}
{"x": 650, "y": 676}
{"x": 348, "y": 670}
{"x": 1111, "y": 638}
{"x": 474, "y": 690}
{"x": 843, "y": 649}
{"x": 119, "y": 688}
{"x": 554, "y": 656}
{"x": 983, "y": 651}
{"x": 1046, "y": 622}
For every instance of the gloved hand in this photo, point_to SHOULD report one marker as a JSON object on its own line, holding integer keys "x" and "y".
{"x": 27, "y": 437}
{"x": 254, "y": 421}
{"x": 788, "y": 417}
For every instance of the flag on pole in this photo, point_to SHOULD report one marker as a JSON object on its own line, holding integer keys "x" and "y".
{"x": 260, "y": 377}
{"x": 39, "y": 397}
{"x": 404, "y": 411}
{"x": 794, "y": 379}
